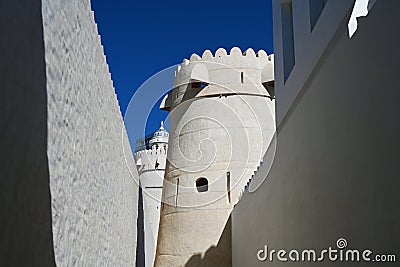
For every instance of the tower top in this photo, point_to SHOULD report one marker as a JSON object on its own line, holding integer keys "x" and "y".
{"x": 221, "y": 74}
{"x": 159, "y": 136}
{"x": 234, "y": 59}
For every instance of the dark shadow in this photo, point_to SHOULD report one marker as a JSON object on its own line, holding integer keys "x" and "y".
{"x": 25, "y": 209}
{"x": 202, "y": 184}
{"x": 190, "y": 93}
{"x": 140, "y": 257}
{"x": 218, "y": 256}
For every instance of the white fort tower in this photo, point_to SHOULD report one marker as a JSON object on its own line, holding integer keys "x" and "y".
{"x": 222, "y": 121}
{"x": 150, "y": 157}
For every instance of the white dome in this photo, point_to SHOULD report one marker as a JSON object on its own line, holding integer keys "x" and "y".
{"x": 159, "y": 136}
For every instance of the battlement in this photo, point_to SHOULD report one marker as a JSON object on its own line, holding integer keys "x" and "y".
{"x": 162, "y": 150}
{"x": 151, "y": 159}
{"x": 234, "y": 59}
{"x": 221, "y": 74}
{"x": 151, "y": 151}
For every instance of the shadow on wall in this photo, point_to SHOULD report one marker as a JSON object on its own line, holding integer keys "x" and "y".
{"x": 140, "y": 250}
{"x": 220, "y": 255}
{"x": 25, "y": 210}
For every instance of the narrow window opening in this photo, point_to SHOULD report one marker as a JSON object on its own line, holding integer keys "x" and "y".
{"x": 287, "y": 38}
{"x": 316, "y": 7}
{"x": 242, "y": 77}
{"x": 156, "y": 165}
{"x": 228, "y": 185}
{"x": 176, "y": 196}
{"x": 202, "y": 185}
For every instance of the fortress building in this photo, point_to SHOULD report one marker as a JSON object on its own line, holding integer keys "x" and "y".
{"x": 222, "y": 119}
{"x": 150, "y": 158}
{"x": 67, "y": 174}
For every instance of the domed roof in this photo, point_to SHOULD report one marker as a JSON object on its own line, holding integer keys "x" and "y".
{"x": 160, "y": 136}
{"x": 161, "y": 132}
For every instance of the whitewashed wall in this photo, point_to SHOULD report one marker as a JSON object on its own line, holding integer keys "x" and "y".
{"x": 94, "y": 195}
{"x": 336, "y": 171}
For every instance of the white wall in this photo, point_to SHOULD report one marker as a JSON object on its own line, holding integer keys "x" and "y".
{"x": 309, "y": 46}
{"x": 94, "y": 194}
{"x": 151, "y": 182}
{"x": 336, "y": 170}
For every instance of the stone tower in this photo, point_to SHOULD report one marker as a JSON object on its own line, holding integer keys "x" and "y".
{"x": 150, "y": 157}
{"x": 222, "y": 120}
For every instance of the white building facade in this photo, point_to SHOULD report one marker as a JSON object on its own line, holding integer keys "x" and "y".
{"x": 335, "y": 172}
{"x": 150, "y": 160}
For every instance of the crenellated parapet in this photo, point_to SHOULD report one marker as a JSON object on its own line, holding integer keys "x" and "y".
{"x": 234, "y": 59}
{"x": 222, "y": 74}
{"x": 153, "y": 157}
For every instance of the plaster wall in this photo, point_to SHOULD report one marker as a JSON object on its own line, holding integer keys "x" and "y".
{"x": 62, "y": 133}
{"x": 94, "y": 194}
{"x": 335, "y": 173}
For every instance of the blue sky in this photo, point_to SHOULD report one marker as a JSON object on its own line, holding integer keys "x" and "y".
{"x": 141, "y": 38}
